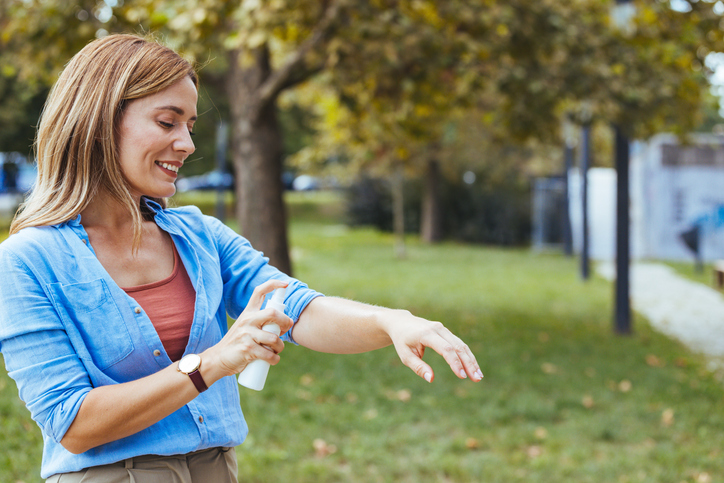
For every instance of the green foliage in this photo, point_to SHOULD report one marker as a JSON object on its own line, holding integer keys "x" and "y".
{"x": 391, "y": 75}
{"x": 404, "y": 67}
{"x": 20, "y": 108}
{"x": 521, "y": 64}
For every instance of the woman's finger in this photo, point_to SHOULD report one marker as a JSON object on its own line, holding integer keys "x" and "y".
{"x": 269, "y": 341}
{"x": 456, "y": 353}
{"x": 412, "y": 358}
{"x": 260, "y": 292}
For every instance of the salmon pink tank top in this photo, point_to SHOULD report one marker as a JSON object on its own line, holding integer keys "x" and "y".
{"x": 169, "y": 303}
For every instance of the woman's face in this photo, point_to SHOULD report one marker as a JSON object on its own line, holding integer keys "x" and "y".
{"x": 155, "y": 139}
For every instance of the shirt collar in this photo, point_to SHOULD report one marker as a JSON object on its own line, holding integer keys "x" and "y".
{"x": 152, "y": 205}
{"x": 75, "y": 221}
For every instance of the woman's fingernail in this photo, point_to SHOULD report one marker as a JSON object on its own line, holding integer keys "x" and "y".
{"x": 428, "y": 377}
{"x": 480, "y": 374}
{"x": 462, "y": 373}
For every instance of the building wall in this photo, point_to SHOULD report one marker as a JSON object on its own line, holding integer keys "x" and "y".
{"x": 673, "y": 189}
{"x": 680, "y": 187}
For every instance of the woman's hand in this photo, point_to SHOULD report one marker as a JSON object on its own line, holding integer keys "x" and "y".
{"x": 412, "y": 335}
{"x": 246, "y": 341}
{"x": 339, "y": 326}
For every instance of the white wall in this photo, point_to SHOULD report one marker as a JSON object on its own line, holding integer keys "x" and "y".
{"x": 601, "y": 212}
{"x": 665, "y": 201}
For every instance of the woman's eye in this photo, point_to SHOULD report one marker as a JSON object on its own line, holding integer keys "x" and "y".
{"x": 167, "y": 125}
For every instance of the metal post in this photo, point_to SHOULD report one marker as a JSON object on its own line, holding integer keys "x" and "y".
{"x": 622, "y": 19}
{"x": 567, "y": 232}
{"x": 585, "y": 163}
{"x": 622, "y": 323}
{"x": 221, "y": 139}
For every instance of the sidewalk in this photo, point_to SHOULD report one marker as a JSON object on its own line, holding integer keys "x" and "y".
{"x": 682, "y": 309}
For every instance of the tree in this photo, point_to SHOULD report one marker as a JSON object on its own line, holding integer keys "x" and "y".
{"x": 23, "y": 87}
{"x": 401, "y": 67}
{"x": 539, "y": 61}
{"x": 265, "y": 48}
{"x": 419, "y": 64}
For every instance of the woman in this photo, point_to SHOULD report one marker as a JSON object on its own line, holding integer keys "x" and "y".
{"x": 113, "y": 307}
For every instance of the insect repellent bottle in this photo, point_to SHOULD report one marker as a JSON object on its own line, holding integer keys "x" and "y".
{"x": 254, "y": 374}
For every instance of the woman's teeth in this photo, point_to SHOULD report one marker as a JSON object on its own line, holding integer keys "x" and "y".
{"x": 169, "y": 167}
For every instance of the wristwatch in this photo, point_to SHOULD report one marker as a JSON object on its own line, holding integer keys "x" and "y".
{"x": 189, "y": 365}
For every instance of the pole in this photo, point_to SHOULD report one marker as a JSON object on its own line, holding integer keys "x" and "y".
{"x": 585, "y": 163}
{"x": 622, "y": 18}
{"x": 567, "y": 235}
{"x": 622, "y": 322}
{"x": 221, "y": 139}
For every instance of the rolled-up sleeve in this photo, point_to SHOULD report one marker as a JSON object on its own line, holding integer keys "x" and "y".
{"x": 243, "y": 268}
{"x": 51, "y": 378}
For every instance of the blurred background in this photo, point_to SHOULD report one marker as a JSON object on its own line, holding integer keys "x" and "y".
{"x": 396, "y": 146}
{"x": 454, "y": 120}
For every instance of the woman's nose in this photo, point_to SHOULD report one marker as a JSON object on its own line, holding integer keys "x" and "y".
{"x": 184, "y": 143}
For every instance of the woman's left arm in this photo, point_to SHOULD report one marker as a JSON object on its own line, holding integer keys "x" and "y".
{"x": 339, "y": 326}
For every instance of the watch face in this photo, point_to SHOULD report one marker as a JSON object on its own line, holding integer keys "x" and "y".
{"x": 189, "y": 363}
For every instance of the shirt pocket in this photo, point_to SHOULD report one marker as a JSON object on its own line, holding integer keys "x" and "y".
{"x": 93, "y": 321}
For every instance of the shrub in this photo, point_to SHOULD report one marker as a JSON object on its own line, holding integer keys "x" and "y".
{"x": 481, "y": 212}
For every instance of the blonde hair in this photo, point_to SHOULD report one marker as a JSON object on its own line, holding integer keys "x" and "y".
{"x": 76, "y": 144}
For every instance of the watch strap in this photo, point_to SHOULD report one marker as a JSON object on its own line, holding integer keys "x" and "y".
{"x": 198, "y": 381}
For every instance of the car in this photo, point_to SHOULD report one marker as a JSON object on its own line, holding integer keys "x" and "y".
{"x": 213, "y": 180}
{"x": 17, "y": 175}
{"x": 306, "y": 182}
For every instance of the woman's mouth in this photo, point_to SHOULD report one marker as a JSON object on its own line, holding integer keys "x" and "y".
{"x": 168, "y": 167}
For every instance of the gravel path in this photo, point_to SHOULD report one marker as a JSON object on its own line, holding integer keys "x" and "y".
{"x": 680, "y": 308}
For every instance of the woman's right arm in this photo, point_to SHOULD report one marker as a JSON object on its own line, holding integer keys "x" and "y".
{"x": 109, "y": 413}
{"x": 53, "y": 383}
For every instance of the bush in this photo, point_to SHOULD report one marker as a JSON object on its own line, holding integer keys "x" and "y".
{"x": 482, "y": 212}
{"x": 369, "y": 203}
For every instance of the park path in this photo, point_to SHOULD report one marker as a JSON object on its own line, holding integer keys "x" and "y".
{"x": 685, "y": 310}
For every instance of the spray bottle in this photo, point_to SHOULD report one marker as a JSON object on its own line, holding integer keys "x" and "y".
{"x": 254, "y": 374}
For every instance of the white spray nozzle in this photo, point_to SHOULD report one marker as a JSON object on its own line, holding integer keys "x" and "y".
{"x": 254, "y": 374}
{"x": 277, "y": 300}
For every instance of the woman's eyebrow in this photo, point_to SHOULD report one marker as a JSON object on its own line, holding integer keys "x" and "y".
{"x": 175, "y": 109}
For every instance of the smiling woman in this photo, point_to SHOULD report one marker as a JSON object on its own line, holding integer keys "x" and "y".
{"x": 113, "y": 307}
{"x": 155, "y": 139}
{"x": 75, "y": 138}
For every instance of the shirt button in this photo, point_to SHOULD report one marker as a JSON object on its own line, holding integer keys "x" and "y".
{"x": 85, "y": 241}
{"x": 157, "y": 353}
{"x": 137, "y": 310}
{"x": 201, "y": 419}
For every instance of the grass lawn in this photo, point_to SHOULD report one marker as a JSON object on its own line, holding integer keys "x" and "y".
{"x": 563, "y": 399}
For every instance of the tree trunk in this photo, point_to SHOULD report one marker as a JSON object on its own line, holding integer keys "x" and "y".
{"x": 398, "y": 212}
{"x": 257, "y": 156}
{"x": 431, "y": 223}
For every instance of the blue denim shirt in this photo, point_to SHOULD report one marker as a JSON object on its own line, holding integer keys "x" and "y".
{"x": 67, "y": 327}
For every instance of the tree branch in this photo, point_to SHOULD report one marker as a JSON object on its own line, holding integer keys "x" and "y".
{"x": 292, "y": 72}
{"x": 300, "y": 75}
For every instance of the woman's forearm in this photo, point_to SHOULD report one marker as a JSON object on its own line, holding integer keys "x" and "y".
{"x": 109, "y": 413}
{"x": 340, "y": 326}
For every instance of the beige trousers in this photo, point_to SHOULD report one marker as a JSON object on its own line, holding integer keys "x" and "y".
{"x": 217, "y": 465}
